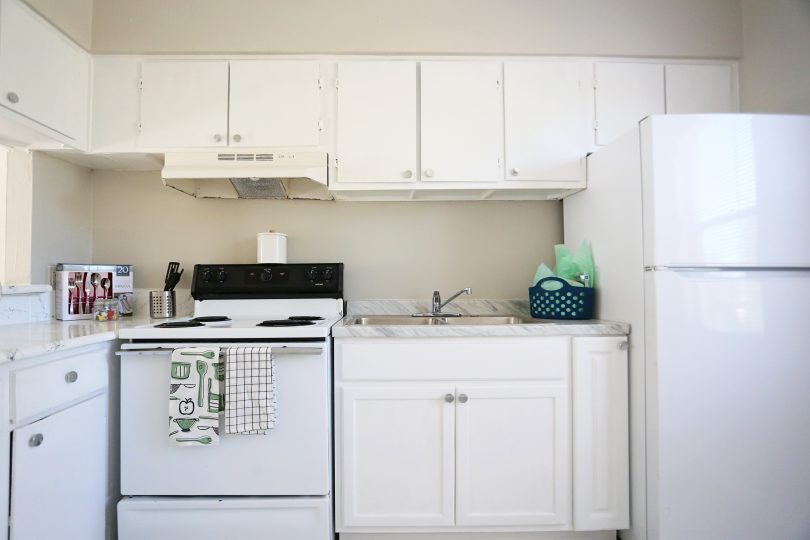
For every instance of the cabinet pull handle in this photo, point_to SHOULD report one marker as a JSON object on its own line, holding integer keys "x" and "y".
{"x": 12, "y": 97}
{"x": 237, "y": 138}
{"x": 35, "y": 440}
{"x": 217, "y": 137}
{"x": 515, "y": 171}
{"x": 71, "y": 377}
{"x": 462, "y": 398}
{"x": 429, "y": 173}
{"x": 449, "y": 398}
{"x": 407, "y": 174}
{"x": 623, "y": 346}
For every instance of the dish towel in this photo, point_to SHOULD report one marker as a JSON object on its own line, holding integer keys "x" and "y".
{"x": 250, "y": 406}
{"x": 195, "y": 398}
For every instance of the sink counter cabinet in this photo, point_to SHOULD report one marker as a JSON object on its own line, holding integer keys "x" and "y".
{"x": 55, "y": 445}
{"x": 470, "y": 437}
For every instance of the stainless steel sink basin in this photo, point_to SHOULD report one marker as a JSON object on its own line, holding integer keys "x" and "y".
{"x": 405, "y": 320}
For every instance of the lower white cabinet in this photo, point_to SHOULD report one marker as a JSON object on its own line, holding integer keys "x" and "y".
{"x": 477, "y": 434}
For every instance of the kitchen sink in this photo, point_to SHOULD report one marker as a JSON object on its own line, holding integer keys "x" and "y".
{"x": 405, "y": 320}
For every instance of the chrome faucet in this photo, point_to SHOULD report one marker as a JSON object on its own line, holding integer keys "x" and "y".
{"x": 437, "y": 303}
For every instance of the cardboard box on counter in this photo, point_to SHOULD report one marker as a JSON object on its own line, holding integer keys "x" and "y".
{"x": 78, "y": 286}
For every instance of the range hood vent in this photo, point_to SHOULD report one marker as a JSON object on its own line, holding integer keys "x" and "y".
{"x": 248, "y": 175}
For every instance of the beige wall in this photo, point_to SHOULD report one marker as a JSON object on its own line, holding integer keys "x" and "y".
{"x": 682, "y": 28}
{"x": 775, "y": 68}
{"x": 62, "y": 216}
{"x": 391, "y": 250}
{"x": 73, "y": 17}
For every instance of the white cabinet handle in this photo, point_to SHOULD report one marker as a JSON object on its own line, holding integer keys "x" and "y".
{"x": 35, "y": 440}
{"x": 71, "y": 377}
{"x": 449, "y": 398}
{"x": 515, "y": 171}
{"x": 429, "y": 173}
{"x": 217, "y": 138}
{"x": 237, "y": 138}
{"x": 12, "y": 97}
{"x": 623, "y": 346}
{"x": 407, "y": 174}
{"x": 462, "y": 398}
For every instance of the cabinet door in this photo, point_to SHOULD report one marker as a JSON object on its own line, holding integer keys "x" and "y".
{"x": 59, "y": 475}
{"x": 184, "y": 104}
{"x": 395, "y": 459}
{"x": 699, "y": 89}
{"x": 274, "y": 103}
{"x": 549, "y": 119}
{"x": 625, "y": 94}
{"x": 513, "y": 455}
{"x": 601, "y": 470}
{"x": 462, "y": 122}
{"x": 43, "y": 75}
{"x": 376, "y": 122}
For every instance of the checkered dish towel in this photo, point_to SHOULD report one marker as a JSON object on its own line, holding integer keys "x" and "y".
{"x": 250, "y": 402}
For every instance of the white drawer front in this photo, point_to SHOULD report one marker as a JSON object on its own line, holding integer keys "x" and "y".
{"x": 39, "y": 388}
{"x": 436, "y": 359}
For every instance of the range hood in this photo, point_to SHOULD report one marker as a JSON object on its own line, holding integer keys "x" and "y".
{"x": 248, "y": 175}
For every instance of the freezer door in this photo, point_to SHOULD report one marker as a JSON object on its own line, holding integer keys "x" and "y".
{"x": 728, "y": 418}
{"x": 726, "y": 190}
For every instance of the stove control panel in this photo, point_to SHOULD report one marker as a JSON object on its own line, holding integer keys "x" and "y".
{"x": 237, "y": 281}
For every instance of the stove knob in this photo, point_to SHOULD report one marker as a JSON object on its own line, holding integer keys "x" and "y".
{"x": 206, "y": 275}
{"x": 312, "y": 273}
{"x": 267, "y": 274}
{"x": 221, "y": 276}
{"x": 328, "y": 273}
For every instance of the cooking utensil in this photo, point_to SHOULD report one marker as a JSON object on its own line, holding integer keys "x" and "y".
{"x": 173, "y": 280}
{"x": 71, "y": 289}
{"x": 79, "y": 288}
{"x": 95, "y": 280}
{"x": 205, "y": 354}
{"x": 202, "y": 440}
{"x": 181, "y": 370}
{"x": 202, "y": 368}
{"x": 171, "y": 272}
{"x": 106, "y": 285}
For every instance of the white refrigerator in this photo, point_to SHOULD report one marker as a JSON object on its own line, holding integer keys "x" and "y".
{"x": 700, "y": 227}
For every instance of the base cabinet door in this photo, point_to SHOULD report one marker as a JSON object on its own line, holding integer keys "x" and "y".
{"x": 59, "y": 475}
{"x": 396, "y": 455}
{"x": 513, "y": 455}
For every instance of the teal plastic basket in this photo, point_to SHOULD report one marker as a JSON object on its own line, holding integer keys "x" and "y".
{"x": 566, "y": 302}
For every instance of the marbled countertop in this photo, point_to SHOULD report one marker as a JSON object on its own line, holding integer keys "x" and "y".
{"x": 519, "y": 308}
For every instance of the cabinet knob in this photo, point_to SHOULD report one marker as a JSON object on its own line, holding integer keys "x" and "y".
{"x": 71, "y": 377}
{"x": 217, "y": 138}
{"x": 449, "y": 398}
{"x": 237, "y": 138}
{"x": 462, "y": 398}
{"x": 407, "y": 174}
{"x": 429, "y": 173}
{"x": 35, "y": 440}
{"x": 623, "y": 346}
{"x": 12, "y": 97}
{"x": 515, "y": 171}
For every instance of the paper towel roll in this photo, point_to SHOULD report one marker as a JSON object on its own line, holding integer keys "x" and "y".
{"x": 271, "y": 247}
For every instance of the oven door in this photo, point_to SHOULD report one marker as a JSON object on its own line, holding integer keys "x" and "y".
{"x": 291, "y": 459}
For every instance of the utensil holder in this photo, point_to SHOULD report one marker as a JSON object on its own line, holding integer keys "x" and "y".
{"x": 161, "y": 304}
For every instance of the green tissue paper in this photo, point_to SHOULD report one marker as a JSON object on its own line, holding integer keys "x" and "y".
{"x": 576, "y": 268}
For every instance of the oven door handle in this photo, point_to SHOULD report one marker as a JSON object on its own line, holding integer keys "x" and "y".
{"x": 276, "y": 351}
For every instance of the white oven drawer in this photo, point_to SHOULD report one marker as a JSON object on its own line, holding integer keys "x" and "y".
{"x": 40, "y": 388}
{"x": 291, "y": 459}
{"x": 303, "y": 518}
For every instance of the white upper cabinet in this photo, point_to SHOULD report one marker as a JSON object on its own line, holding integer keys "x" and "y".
{"x": 44, "y": 76}
{"x": 462, "y": 121}
{"x": 700, "y": 88}
{"x": 377, "y": 121}
{"x": 626, "y": 92}
{"x": 184, "y": 104}
{"x": 548, "y": 119}
{"x": 274, "y": 103}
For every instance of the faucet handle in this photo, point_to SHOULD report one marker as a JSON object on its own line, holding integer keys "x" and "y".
{"x": 437, "y": 302}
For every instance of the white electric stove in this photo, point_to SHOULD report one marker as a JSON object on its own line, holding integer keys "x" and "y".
{"x": 277, "y": 485}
